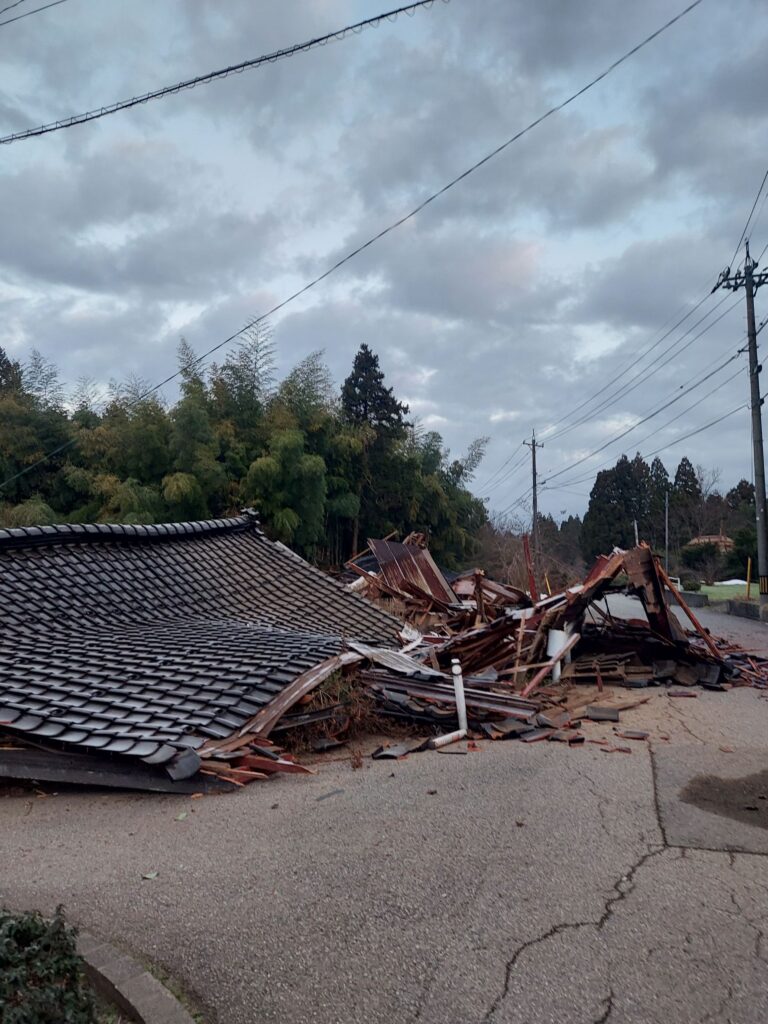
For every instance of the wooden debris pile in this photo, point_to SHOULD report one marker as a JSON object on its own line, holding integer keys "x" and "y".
{"x": 403, "y": 578}
{"x": 522, "y": 657}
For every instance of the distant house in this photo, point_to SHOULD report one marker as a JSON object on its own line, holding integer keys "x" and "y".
{"x": 719, "y": 540}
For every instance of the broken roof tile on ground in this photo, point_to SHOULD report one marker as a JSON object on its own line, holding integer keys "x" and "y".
{"x": 156, "y": 644}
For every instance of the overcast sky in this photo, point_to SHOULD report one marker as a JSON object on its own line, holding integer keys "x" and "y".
{"x": 501, "y": 307}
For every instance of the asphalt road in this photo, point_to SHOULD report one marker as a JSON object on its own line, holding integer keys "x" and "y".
{"x": 517, "y": 884}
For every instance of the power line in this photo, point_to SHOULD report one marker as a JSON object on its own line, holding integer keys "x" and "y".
{"x": 590, "y": 475}
{"x": 506, "y": 476}
{"x": 628, "y": 366}
{"x": 743, "y": 234}
{"x": 645, "y": 419}
{"x": 667, "y": 423}
{"x": 211, "y": 76}
{"x": 517, "y": 503}
{"x": 26, "y": 14}
{"x": 757, "y": 218}
{"x": 11, "y": 6}
{"x": 693, "y": 433}
{"x": 639, "y": 358}
{"x": 501, "y": 467}
{"x": 644, "y": 375}
{"x": 390, "y": 228}
{"x": 677, "y": 440}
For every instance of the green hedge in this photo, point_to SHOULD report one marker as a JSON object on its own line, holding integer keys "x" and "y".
{"x": 41, "y": 973}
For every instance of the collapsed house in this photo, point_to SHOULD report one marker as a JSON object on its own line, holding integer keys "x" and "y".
{"x": 520, "y": 655}
{"x": 169, "y": 657}
{"x": 151, "y": 656}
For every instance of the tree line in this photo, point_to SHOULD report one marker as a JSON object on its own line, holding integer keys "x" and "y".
{"x": 634, "y": 490}
{"x": 325, "y": 468}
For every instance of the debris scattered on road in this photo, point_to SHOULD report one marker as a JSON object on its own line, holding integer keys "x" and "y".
{"x": 332, "y": 792}
{"x": 396, "y": 753}
{"x": 212, "y": 704}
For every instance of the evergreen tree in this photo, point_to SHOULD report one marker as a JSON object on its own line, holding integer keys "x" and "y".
{"x": 10, "y": 374}
{"x": 684, "y": 503}
{"x": 369, "y": 405}
{"x": 659, "y": 487}
{"x": 366, "y": 401}
{"x": 618, "y": 497}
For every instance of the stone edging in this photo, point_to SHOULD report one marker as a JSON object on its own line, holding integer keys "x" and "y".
{"x": 126, "y": 983}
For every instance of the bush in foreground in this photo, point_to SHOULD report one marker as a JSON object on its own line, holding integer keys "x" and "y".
{"x": 41, "y": 973}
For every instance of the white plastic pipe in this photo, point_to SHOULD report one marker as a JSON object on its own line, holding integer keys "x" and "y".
{"x": 556, "y": 641}
{"x": 458, "y": 689}
{"x": 461, "y": 710}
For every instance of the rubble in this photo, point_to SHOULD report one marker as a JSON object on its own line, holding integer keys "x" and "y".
{"x": 185, "y": 657}
{"x": 523, "y": 658}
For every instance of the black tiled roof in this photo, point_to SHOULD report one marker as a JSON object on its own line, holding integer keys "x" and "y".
{"x": 145, "y": 640}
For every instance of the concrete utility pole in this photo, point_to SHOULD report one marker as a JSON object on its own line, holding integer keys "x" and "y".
{"x": 750, "y": 282}
{"x": 666, "y": 532}
{"x": 532, "y": 444}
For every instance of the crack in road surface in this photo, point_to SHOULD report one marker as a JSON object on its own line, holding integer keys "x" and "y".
{"x": 622, "y": 889}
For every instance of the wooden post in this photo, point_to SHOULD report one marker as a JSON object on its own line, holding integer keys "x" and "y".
{"x": 544, "y": 672}
{"x": 695, "y": 622}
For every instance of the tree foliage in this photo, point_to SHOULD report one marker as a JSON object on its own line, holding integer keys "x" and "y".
{"x": 632, "y": 490}
{"x": 326, "y": 468}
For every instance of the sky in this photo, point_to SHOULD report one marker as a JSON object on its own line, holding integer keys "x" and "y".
{"x": 502, "y": 308}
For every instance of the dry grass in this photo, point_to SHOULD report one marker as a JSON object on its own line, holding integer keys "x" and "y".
{"x": 358, "y": 709}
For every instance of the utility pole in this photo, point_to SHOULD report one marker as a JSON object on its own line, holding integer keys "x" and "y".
{"x": 533, "y": 445}
{"x": 637, "y": 538}
{"x": 666, "y": 532}
{"x": 750, "y": 282}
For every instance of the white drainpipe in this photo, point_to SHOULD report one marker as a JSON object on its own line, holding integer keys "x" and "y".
{"x": 461, "y": 710}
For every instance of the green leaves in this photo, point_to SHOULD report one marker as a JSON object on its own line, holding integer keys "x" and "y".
{"x": 325, "y": 467}
{"x": 41, "y": 974}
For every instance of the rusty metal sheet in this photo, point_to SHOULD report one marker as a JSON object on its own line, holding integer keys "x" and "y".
{"x": 405, "y": 565}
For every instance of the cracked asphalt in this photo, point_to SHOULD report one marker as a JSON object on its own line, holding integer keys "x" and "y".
{"x": 521, "y": 883}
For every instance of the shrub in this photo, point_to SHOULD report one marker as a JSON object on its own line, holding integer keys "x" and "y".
{"x": 41, "y": 974}
{"x": 690, "y": 583}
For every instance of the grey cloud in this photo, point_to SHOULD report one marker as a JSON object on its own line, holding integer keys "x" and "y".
{"x": 191, "y": 215}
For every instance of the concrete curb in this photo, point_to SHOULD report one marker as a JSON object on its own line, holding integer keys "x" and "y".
{"x": 127, "y": 984}
{"x": 744, "y": 609}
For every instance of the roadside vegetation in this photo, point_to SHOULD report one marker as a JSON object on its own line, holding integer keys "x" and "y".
{"x": 325, "y": 467}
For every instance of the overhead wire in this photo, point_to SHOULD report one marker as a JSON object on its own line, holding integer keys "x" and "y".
{"x": 672, "y": 396}
{"x": 11, "y": 6}
{"x": 26, "y": 14}
{"x": 394, "y": 225}
{"x": 517, "y": 503}
{"x": 506, "y": 476}
{"x": 624, "y": 390}
{"x": 743, "y": 234}
{"x": 673, "y": 351}
{"x": 693, "y": 433}
{"x": 628, "y": 366}
{"x": 661, "y": 408}
{"x": 589, "y": 476}
{"x": 211, "y": 76}
{"x": 501, "y": 467}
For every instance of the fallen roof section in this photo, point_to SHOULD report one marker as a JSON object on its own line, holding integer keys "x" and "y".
{"x": 153, "y": 644}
